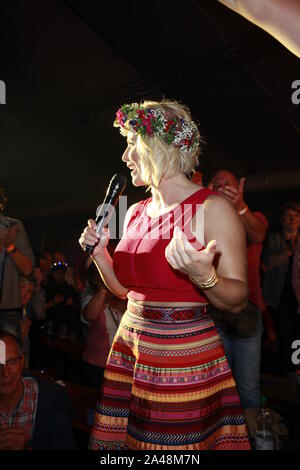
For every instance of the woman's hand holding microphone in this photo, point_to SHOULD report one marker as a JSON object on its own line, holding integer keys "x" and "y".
{"x": 101, "y": 257}
{"x": 89, "y": 237}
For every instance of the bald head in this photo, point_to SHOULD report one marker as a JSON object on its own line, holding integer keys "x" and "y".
{"x": 11, "y": 370}
{"x": 6, "y": 337}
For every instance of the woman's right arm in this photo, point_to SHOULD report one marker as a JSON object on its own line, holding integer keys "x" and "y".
{"x": 101, "y": 256}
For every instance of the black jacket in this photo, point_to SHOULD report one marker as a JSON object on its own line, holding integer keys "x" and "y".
{"x": 53, "y": 428}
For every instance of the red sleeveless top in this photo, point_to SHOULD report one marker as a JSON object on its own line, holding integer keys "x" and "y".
{"x": 139, "y": 260}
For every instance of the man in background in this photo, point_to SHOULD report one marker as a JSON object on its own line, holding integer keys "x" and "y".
{"x": 241, "y": 334}
{"x": 16, "y": 258}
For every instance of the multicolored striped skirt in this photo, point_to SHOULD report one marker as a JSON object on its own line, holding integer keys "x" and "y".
{"x": 168, "y": 385}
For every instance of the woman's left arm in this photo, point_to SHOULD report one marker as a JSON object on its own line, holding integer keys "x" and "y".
{"x": 225, "y": 252}
{"x": 224, "y": 225}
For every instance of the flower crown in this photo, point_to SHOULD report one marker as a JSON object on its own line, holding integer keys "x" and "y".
{"x": 152, "y": 121}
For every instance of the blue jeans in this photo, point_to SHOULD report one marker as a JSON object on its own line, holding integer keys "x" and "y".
{"x": 243, "y": 355}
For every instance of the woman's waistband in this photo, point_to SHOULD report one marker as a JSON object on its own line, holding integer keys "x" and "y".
{"x": 161, "y": 314}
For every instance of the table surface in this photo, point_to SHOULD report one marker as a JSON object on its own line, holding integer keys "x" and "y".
{"x": 283, "y": 389}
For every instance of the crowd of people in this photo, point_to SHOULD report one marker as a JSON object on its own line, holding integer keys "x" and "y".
{"x": 36, "y": 299}
{"x": 185, "y": 357}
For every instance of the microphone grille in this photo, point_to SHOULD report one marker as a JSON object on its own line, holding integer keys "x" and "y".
{"x": 119, "y": 179}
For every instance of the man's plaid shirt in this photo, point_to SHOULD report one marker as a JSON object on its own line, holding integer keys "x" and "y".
{"x": 23, "y": 416}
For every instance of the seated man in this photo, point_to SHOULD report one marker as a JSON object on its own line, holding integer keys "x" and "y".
{"x": 33, "y": 414}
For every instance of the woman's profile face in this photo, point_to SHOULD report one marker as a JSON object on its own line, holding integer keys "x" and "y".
{"x": 133, "y": 161}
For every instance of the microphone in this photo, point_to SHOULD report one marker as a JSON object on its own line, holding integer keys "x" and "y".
{"x": 115, "y": 189}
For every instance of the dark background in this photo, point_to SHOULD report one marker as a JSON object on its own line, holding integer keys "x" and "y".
{"x": 68, "y": 65}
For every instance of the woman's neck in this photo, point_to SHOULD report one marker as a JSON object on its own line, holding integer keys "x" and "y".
{"x": 172, "y": 191}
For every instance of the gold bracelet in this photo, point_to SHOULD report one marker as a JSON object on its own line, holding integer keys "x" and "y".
{"x": 209, "y": 283}
{"x": 243, "y": 211}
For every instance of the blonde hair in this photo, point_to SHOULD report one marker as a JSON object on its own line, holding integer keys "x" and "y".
{"x": 160, "y": 159}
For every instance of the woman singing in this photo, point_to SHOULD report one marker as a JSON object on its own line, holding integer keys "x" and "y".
{"x": 168, "y": 385}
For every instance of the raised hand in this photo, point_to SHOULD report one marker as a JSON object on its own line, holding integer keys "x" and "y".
{"x": 182, "y": 256}
{"x": 234, "y": 195}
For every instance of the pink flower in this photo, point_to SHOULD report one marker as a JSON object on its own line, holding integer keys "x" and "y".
{"x": 120, "y": 117}
{"x": 141, "y": 113}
